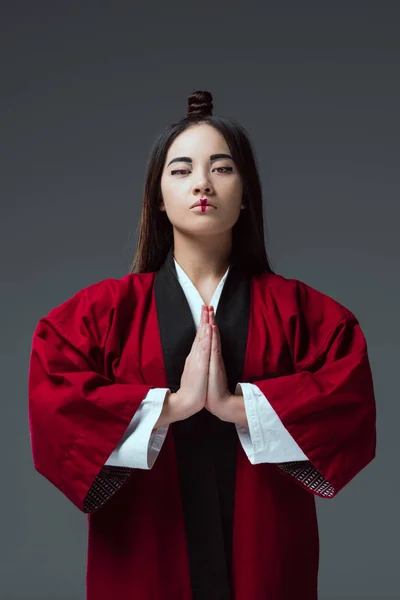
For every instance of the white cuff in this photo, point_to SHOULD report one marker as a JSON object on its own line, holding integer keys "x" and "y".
{"x": 140, "y": 445}
{"x": 265, "y": 439}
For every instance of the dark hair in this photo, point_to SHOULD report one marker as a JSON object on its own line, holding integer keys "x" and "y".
{"x": 155, "y": 230}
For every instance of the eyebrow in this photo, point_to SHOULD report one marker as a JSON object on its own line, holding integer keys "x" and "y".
{"x": 187, "y": 159}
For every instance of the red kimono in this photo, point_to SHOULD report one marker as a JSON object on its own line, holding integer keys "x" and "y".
{"x": 93, "y": 360}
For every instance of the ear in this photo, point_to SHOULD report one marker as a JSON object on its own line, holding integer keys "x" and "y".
{"x": 162, "y": 206}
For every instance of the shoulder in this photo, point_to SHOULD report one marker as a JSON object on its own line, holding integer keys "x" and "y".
{"x": 295, "y": 297}
{"x": 98, "y": 299}
{"x": 310, "y": 319}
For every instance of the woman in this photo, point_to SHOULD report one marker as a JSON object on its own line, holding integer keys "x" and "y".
{"x": 198, "y": 454}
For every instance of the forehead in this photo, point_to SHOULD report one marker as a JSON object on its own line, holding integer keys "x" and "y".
{"x": 198, "y": 141}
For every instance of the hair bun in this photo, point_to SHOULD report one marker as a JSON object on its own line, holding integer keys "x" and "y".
{"x": 200, "y": 104}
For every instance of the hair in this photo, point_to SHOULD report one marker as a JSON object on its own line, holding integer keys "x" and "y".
{"x": 155, "y": 229}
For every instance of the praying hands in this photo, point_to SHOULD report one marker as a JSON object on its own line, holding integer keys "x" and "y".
{"x": 219, "y": 400}
{"x": 204, "y": 382}
{"x": 218, "y": 395}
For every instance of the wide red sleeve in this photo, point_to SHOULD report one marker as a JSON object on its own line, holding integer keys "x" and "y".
{"x": 328, "y": 404}
{"x": 77, "y": 415}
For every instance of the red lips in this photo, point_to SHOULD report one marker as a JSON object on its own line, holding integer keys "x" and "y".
{"x": 202, "y": 202}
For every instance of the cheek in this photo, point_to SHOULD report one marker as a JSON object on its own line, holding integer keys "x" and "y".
{"x": 171, "y": 189}
{"x": 233, "y": 186}
{"x": 235, "y": 193}
{"x": 168, "y": 196}
{"x": 164, "y": 189}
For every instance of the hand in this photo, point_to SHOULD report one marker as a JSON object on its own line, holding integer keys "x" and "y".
{"x": 191, "y": 396}
{"x": 218, "y": 393}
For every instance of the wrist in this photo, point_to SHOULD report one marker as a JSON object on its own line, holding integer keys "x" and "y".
{"x": 234, "y": 411}
{"x": 169, "y": 410}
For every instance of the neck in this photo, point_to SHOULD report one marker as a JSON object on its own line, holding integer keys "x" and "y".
{"x": 203, "y": 259}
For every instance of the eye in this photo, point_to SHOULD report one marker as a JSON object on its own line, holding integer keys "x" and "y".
{"x": 228, "y": 168}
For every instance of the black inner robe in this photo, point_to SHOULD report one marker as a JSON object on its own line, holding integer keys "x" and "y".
{"x": 206, "y": 447}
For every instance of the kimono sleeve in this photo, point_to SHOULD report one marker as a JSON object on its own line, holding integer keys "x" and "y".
{"x": 77, "y": 415}
{"x": 328, "y": 404}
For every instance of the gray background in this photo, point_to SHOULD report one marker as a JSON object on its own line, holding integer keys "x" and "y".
{"x": 85, "y": 89}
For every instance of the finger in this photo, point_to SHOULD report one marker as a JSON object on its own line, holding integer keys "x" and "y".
{"x": 214, "y": 324}
{"x": 212, "y": 316}
{"x": 208, "y": 334}
{"x": 204, "y": 347}
{"x": 200, "y": 330}
{"x": 204, "y": 321}
{"x": 218, "y": 336}
{"x": 213, "y": 351}
{"x": 216, "y": 349}
{"x": 202, "y": 317}
{"x": 199, "y": 333}
{"x": 214, "y": 342}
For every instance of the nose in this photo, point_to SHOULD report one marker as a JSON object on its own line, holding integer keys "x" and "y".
{"x": 203, "y": 186}
{"x": 204, "y": 189}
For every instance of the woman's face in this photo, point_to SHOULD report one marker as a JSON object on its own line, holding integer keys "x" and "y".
{"x": 199, "y": 174}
